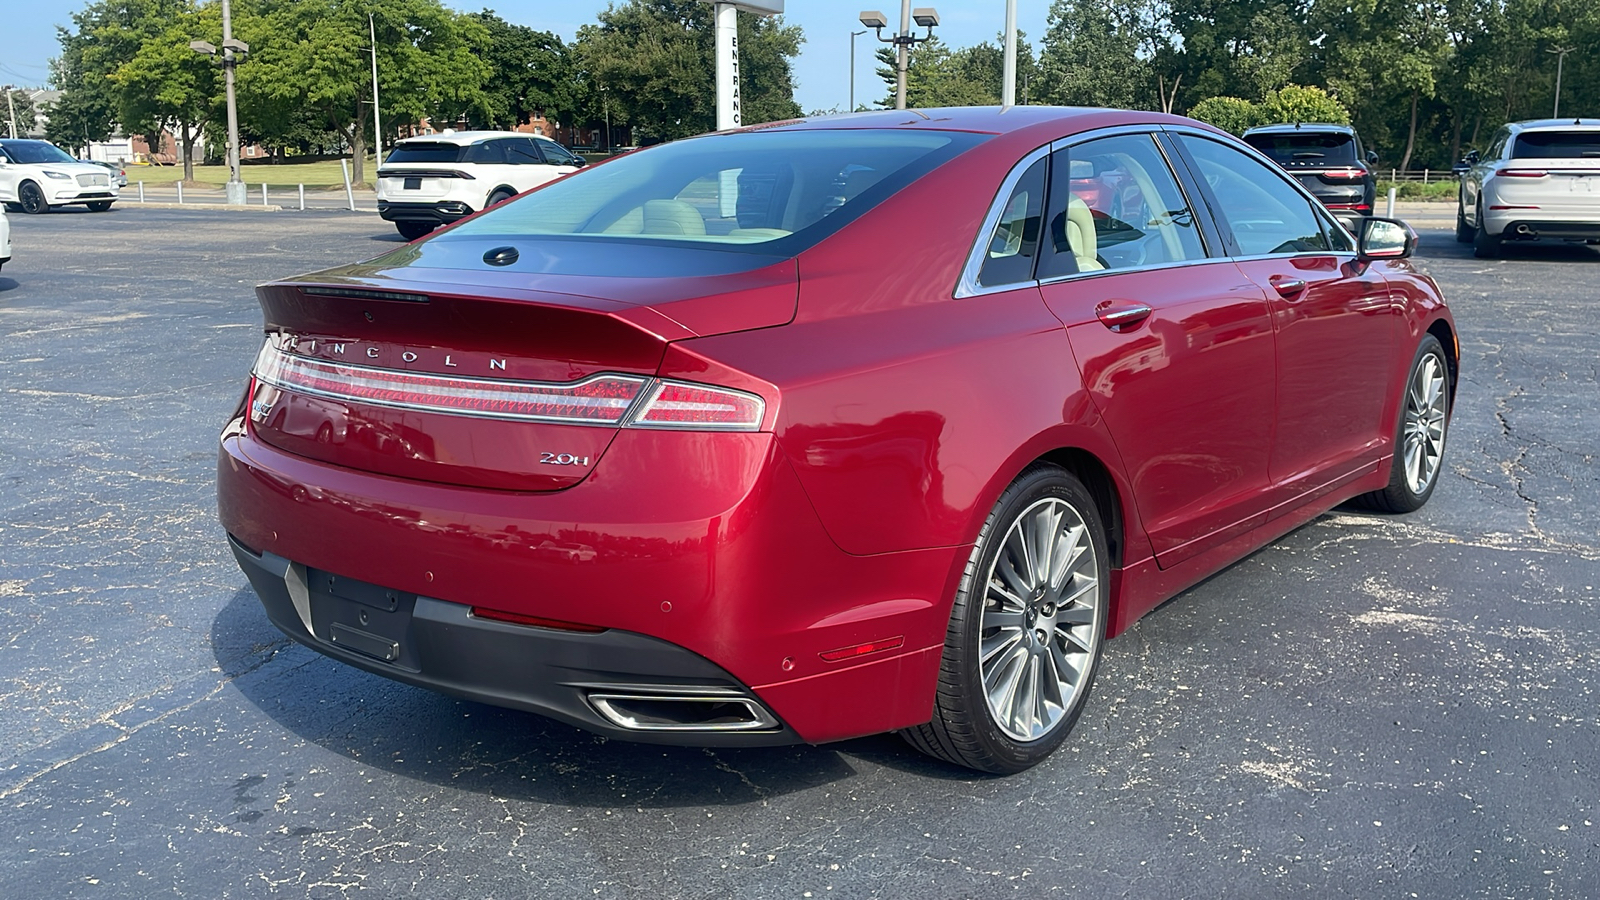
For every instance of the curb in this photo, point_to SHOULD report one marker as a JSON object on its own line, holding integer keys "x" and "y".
{"x": 224, "y": 207}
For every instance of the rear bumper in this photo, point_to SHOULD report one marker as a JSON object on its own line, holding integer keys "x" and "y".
{"x": 442, "y": 212}
{"x": 700, "y": 551}
{"x": 1534, "y": 230}
{"x": 561, "y": 674}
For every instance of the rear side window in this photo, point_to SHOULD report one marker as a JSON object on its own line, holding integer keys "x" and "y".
{"x": 1014, "y": 243}
{"x": 424, "y": 152}
{"x": 1267, "y": 216}
{"x": 1557, "y": 145}
{"x": 1304, "y": 148}
{"x": 781, "y": 190}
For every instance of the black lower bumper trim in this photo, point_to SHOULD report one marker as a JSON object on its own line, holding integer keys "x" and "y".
{"x": 1555, "y": 231}
{"x": 441, "y": 646}
{"x": 440, "y": 213}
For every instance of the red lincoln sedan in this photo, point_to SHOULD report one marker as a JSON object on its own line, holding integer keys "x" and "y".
{"x": 827, "y": 428}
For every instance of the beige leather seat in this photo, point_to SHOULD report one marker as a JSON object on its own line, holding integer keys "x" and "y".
{"x": 1081, "y": 237}
{"x": 660, "y": 217}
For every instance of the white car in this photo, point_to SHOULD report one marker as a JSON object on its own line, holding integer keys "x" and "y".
{"x": 1538, "y": 180}
{"x": 36, "y": 176}
{"x": 434, "y": 180}
{"x": 5, "y": 240}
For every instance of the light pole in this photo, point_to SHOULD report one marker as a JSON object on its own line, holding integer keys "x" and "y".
{"x": 1561, "y": 57}
{"x": 232, "y": 52}
{"x": 853, "y": 36}
{"x": 11, "y": 105}
{"x": 377, "y": 123}
{"x": 925, "y": 17}
{"x": 1008, "y": 80}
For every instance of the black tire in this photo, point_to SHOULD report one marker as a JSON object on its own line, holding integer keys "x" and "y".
{"x": 1483, "y": 245}
{"x": 413, "y": 230}
{"x": 964, "y": 729}
{"x": 1402, "y": 496}
{"x": 31, "y": 199}
{"x": 1464, "y": 232}
{"x": 100, "y": 206}
{"x": 498, "y": 196}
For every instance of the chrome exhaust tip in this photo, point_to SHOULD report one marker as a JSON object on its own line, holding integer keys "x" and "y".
{"x": 1523, "y": 229}
{"x": 684, "y": 708}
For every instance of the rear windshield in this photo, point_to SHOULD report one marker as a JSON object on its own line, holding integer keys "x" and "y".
{"x": 772, "y": 192}
{"x": 1557, "y": 145}
{"x": 425, "y": 153}
{"x": 34, "y": 152}
{"x": 1305, "y": 148}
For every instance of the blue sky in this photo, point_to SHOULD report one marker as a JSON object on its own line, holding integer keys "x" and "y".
{"x": 28, "y": 36}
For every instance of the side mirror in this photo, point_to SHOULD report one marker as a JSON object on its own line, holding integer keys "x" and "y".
{"x": 1472, "y": 157}
{"x": 1385, "y": 239}
{"x": 1372, "y": 157}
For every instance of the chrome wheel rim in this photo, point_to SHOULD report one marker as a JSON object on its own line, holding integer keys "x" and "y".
{"x": 1041, "y": 625}
{"x": 1423, "y": 441}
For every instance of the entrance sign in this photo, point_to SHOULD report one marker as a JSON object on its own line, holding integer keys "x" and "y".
{"x": 726, "y": 16}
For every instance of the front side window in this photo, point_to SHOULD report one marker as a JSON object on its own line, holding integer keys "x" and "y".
{"x": 522, "y": 152}
{"x": 1114, "y": 204}
{"x": 783, "y": 190}
{"x": 1266, "y": 215}
{"x": 28, "y": 153}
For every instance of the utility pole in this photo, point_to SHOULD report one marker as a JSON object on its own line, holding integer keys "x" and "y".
{"x": 377, "y": 123}
{"x": 853, "y": 36}
{"x": 232, "y": 52}
{"x": 11, "y": 105}
{"x": 925, "y": 17}
{"x": 1561, "y": 57}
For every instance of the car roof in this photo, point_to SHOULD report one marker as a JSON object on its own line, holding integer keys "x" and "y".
{"x": 1574, "y": 124}
{"x": 980, "y": 119}
{"x": 1302, "y": 128}
{"x": 468, "y": 137}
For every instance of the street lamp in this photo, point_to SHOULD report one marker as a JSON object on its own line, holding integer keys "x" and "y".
{"x": 924, "y": 17}
{"x": 377, "y": 123}
{"x": 1561, "y": 57}
{"x": 853, "y": 36}
{"x": 232, "y": 52}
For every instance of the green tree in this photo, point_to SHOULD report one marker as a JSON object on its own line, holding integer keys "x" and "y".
{"x": 1097, "y": 54}
{"x": 20, "y": 105}
{"x": 105, "y": 35}
{"x": 651, "y": 63}
{"x": 311, "y": 54}
{"x": 1231, "y": 114}
{"x": 166, "y": 86}
{"x": 1295, "y": 103}
{"x": 937, "y": 76}
{"x": 531, "y": 73}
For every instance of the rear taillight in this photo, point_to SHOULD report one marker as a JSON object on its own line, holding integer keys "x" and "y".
{"x": 1344, "y": 174}
{"x": 608, "y": 399}
{"x": 673, "y": 404}
{"x": 1522, "y": 173}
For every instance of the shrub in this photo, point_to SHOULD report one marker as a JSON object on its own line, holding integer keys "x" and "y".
{"x": 1231, "y": 114}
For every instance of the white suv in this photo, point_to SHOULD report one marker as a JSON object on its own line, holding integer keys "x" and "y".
{"x": 430, "y": 181}
{"x": 1538, "y": 179}
{"x": 5, "y": 240}
{"x": 36, "y": 175}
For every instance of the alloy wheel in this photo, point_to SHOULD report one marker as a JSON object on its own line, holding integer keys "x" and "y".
{"x": 1424, "y": 424}
{"x": 1040, "y": 627}
{"x": 31, "y": 198}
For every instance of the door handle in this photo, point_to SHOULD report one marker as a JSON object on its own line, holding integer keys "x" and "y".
{"x": 1288, "y": 287}
{"x": 1122, "y": 315}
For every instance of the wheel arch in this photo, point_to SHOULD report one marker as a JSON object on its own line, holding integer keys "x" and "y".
{"x": 1442, "y": 329}
{"x": 509, "y": 189}
{"x": 35, "y": 182}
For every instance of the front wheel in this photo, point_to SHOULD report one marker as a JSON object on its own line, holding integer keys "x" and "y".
{"x": 31, "y": 199}
{"x": 1464, "y": 232}
{"x": 100, "y": 206}
{"x": 1025, "y": 631}
{"x": 1419, "y": 439}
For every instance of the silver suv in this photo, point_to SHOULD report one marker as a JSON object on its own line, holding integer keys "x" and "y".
{"x": 430, "y": 181}
{"x": 1538, "y": 180}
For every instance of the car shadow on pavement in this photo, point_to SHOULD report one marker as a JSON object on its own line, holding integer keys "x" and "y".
{"x": 440, "y": 740}
{"x": 1443, "y": 244}
{"x": 8, "y": 284}
{"x": 390, "y": 238}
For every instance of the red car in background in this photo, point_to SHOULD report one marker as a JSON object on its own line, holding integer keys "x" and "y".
{"x": 826, "y": 428}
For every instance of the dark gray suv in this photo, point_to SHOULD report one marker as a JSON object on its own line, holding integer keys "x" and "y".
{"x": 1328, "y": 159}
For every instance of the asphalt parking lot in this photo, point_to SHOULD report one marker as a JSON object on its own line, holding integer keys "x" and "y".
{"x": 1372, "y": 706}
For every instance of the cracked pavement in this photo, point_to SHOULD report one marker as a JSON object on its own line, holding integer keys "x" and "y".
{"x": 1395, "y": 706}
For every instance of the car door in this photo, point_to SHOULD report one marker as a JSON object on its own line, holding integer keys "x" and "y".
{"x": 1335, "y": 326}
{"x": 554, "y": 161}
{"x": 1478, "y": 173}
{"x": 1174, "y": 343}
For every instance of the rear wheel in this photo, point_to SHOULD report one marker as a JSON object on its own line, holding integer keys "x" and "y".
{"x": 100, "y": 206}
{"x": 1026, "y": 629}
{"x": 413, "y": 230}
{"x": 1464, "y": 232}
{"x": 31, "y": 198}
{"x": 1484, "y": 245}
{"x": 498, "y": 196}
{"x": 1419, "y": 441}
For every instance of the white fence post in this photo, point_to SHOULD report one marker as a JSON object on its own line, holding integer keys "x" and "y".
{"x": 141, "y": 192}
{"x": 180, "y": 192}
{"x": 302, "y": 197}
{"x": 1390, "y": 213}
{"x": 349, "y": 194}
{"x": 263, "y": 193}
